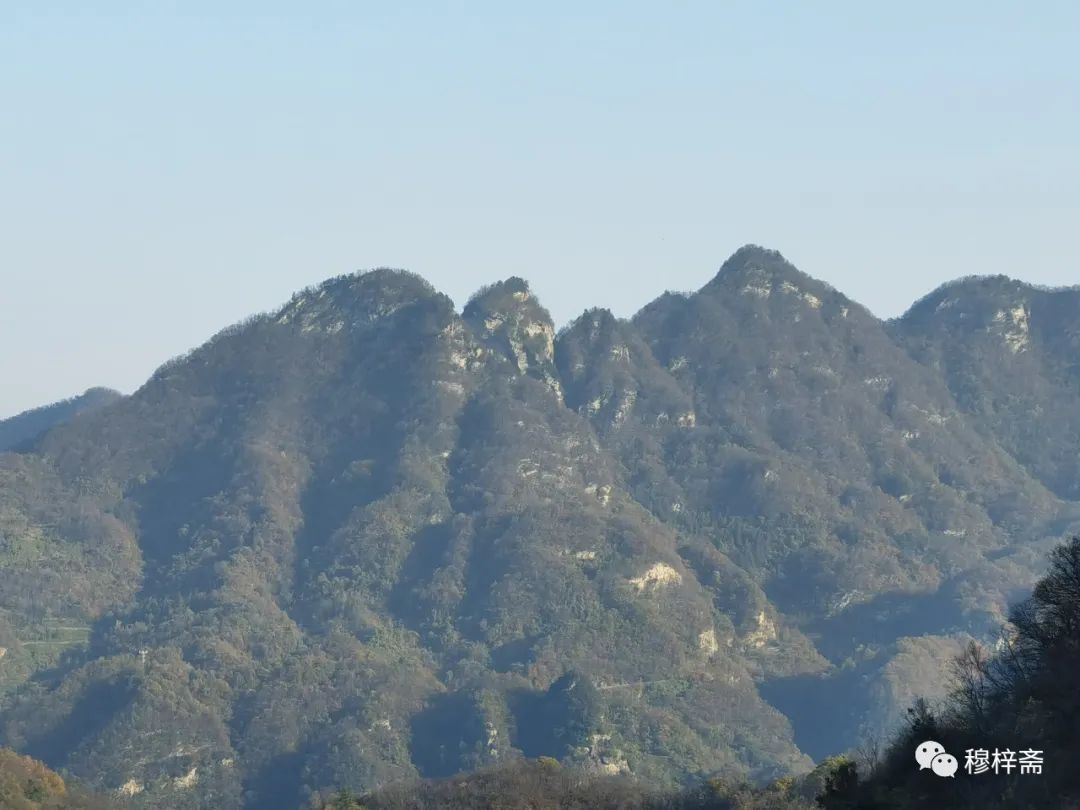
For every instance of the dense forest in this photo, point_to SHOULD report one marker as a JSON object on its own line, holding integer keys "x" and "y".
{"x": 370, "y": 540}
{"x": 1021, "y": 694}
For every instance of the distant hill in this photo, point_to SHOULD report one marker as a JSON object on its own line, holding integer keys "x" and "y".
{"x": 366, "y": 537}
{"x": 28, "y": 425}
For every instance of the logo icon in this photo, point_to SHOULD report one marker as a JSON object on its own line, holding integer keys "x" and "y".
{"x": 926, "y": 752}
{"x": 944, "y": 765}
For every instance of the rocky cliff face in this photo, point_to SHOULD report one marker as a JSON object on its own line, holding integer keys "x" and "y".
{"x": 508, "y": 318}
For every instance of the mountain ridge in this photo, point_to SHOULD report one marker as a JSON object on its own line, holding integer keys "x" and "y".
{"x": 367, "y": 536}
{"x": 23, "y": 428}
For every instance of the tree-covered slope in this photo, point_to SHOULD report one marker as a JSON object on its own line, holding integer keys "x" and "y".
{"x": 367, "y": 538}
{"x": 769, "y": 418}
{"x": 25, "y": 427}
{"x": 1010, "y": 354}
{"x": 365, "y": 542}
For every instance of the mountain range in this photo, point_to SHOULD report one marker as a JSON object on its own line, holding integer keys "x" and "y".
{"x": 369, "y": 536}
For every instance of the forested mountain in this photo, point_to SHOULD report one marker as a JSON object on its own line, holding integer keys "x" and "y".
{"x": 1010, "y": 354}
{"x": 28, "y": 425}
{"x": 365, "y": 537}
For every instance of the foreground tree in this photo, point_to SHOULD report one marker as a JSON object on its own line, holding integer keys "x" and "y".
{"x": 1022, "y": 698}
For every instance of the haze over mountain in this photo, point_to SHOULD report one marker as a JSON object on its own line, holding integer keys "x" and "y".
{"x": 28, "y": 425}
{"x": 366, "y": 537}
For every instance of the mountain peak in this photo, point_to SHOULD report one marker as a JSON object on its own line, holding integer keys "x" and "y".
{"x": 752, "y": 264}
{"x": 967, "y": 296}
{"x": 355, "y": 299}
{"x": 755, "y": 256}
{"x": 594, "y": 322}
{"x": 758, "y": 273}
{"x": 511, "y": 294}
{"x": 509, "y": 319}
{"x": 1001, "y": 311}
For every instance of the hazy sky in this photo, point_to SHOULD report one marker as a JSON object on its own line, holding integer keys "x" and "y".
{"x": 167, "y": 168}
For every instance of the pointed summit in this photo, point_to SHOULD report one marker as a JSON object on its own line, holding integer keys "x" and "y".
{"x": 755, "y": 257}
{"x": 754, "y": 261}
{"x": 761, "y": 272}
{"x": 763, "y": 278}
{"x": 507, "y": 317}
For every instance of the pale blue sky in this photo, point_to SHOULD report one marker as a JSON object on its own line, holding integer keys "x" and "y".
{"x": 168, "y": 168}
